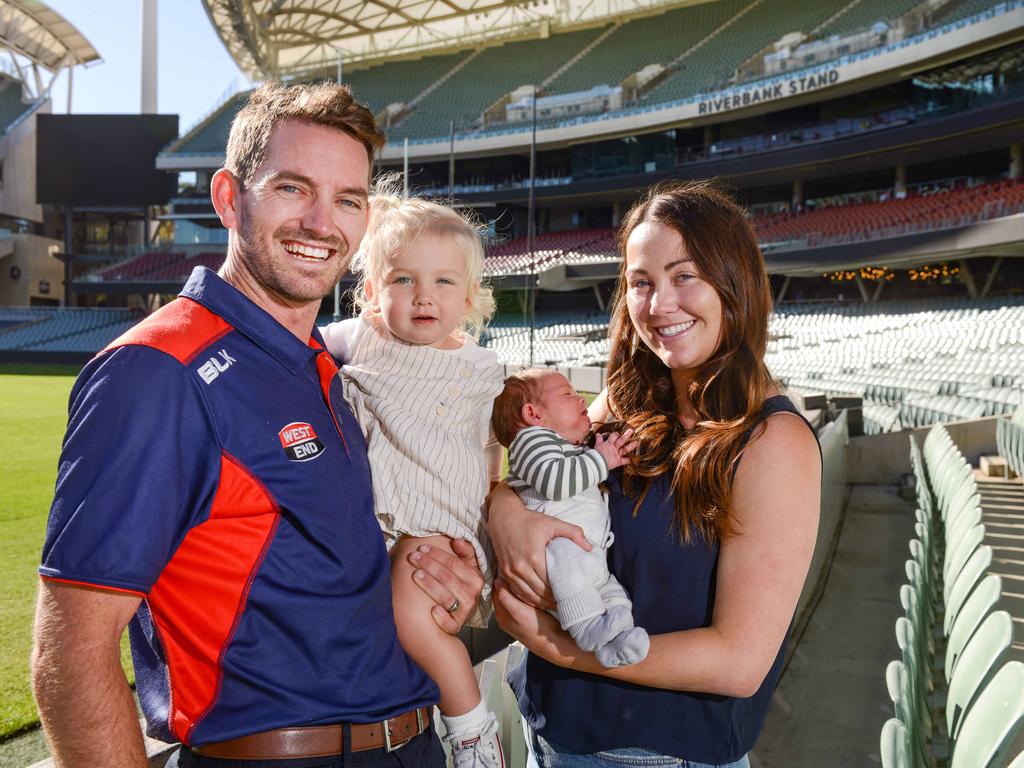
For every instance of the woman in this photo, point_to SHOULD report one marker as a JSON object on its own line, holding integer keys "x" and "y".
{"x": 715, "y": 518}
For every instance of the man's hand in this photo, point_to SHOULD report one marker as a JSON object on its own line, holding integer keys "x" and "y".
{"x": 448, "y": 579}
{"x": 615, "y": 447}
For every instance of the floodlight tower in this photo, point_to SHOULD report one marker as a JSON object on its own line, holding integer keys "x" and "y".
{"x": 148, "y": 58}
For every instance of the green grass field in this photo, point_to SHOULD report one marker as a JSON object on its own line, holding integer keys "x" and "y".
{"x": 33, "y": 414}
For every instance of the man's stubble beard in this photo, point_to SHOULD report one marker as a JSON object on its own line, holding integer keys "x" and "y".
{"x": 253, "y": 254}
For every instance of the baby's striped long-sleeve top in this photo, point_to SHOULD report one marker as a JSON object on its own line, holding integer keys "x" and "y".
{"x": 542, "y": 462}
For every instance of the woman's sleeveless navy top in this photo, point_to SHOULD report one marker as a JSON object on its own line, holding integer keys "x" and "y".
{"x": 672, "y": 586}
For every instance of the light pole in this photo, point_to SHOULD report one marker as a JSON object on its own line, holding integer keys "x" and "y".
{"x": 531, "y": 230}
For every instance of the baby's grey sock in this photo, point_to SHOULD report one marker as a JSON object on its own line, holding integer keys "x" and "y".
{"x": 600, "y": 630}
{"x": 628, "y": 647}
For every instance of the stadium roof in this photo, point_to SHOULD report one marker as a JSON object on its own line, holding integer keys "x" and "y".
{"x": 281, "y": 38}
{"x": 32, "y": 29}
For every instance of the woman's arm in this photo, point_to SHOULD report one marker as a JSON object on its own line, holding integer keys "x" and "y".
{"x": 761, "y": 573}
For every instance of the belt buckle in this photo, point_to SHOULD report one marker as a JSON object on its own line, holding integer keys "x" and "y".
{"x": 389, "y": 746}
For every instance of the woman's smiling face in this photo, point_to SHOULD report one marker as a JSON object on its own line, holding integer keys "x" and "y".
{"x": 674, "y": 311}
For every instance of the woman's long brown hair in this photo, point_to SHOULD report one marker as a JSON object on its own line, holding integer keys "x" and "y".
{"x": 728, "y": 389}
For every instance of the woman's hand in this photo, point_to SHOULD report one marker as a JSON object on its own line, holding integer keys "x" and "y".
{"x": 537, "y": 630}
{"x": 449, "y": 580}
{"x": 520, "y": 538}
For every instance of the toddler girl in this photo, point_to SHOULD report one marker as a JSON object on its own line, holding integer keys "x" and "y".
{"x": 423, "y": 391}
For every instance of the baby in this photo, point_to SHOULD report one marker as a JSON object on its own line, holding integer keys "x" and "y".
{"x": 422, "y": 391}
{"x": 542, "y": 421}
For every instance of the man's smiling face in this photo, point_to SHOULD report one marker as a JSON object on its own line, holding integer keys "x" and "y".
{"x": 304, "y": 214}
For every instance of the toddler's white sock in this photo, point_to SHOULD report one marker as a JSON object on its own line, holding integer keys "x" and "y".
{"x": 470, "y": 723}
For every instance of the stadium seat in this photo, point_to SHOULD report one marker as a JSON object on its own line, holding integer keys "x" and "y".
{"x": 965, "y": 583}
{"x": 895, "y": 745}
{"x": 991, "y": 722}
{"x": 977, "y": 664}
{"x": 958, "y": 553}
{"x": 974, "y": 611}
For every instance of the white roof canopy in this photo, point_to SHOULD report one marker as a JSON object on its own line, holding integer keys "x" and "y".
{"x": 281, "y": 38}
{"x": 32, "y": 29}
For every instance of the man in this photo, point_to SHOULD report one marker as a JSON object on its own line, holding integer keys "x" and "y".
{"x": 213, "y": 490}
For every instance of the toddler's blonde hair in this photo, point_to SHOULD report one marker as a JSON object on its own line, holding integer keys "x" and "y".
{"x": 396, "y": 220}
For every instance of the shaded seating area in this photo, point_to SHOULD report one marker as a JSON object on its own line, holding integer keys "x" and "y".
{"x": 855, "y": 222}
{"x": 158, "y": 266}
{"x": 139, "y": 267}
{"x": 550, "y": 249}
{"x": 66, "y": 330}
{"x": 958, "y": 687}
{"x": 848, "y": 223}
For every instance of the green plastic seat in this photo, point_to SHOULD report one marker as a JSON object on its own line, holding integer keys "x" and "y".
{"x": 918, "y": 674}
{"x": 957, "y": 555}
{"x": 897, "y": 681}
{"x": 965, "y": 583}
{"x": 966, "y": 518}
{"x": 977, "y": 607}
{"x": 895, "y": 745}
{"x": 991, "y": 723}
{"x": 976, "y": 666}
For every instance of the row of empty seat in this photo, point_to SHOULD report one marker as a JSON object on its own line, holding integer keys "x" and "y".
{"x": 913, "y": 213}
{"x": 576, "y": 246}
{"x": 65, "y": 330}
{"x": 574, "y": 338}
{"x": 12, "y": 106}
{"x": 955, "y": 702}
{"x": 914, "y": 364}
{"x": 157, "y": 266}
{"x": 853, "y": 222}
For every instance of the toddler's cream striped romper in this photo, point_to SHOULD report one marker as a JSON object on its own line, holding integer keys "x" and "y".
{"x": 426, "y": 416}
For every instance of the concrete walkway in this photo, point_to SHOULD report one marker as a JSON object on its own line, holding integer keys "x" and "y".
{"x": 832, "y": 700}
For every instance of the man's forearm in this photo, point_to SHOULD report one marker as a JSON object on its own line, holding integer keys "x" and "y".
{"x": 87, "y": 710}
{"x": 85, "y": 704}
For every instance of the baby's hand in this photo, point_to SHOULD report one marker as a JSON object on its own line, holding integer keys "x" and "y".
{"x": 614, "y": 447}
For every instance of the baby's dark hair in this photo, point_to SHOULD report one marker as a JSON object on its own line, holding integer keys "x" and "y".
{"x": 520, "y": 388}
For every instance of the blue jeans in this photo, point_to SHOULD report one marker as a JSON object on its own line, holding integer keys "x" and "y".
{"x": 544, "y": 754}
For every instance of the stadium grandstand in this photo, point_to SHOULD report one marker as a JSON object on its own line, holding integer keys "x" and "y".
{"x": 878, "y": 146}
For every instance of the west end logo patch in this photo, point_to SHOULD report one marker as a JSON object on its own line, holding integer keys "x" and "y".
{"x": 300, "y": 441}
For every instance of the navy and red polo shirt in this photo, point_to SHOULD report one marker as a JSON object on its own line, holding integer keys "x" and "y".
{"x": 212, "y": 467}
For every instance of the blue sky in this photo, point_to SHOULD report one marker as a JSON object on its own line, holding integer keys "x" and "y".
{"x": 193, "y": 67}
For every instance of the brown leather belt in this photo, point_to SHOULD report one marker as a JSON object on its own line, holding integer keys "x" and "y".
{"x": 321, "y": 740}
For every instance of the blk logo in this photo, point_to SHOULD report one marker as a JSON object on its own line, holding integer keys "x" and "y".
{"x": 215, "y": 366}
{"x": 300, "y": 441}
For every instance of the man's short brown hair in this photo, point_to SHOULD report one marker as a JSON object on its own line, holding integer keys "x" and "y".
{"x": 328, "y": 104}
{"x": 520, "y": 388}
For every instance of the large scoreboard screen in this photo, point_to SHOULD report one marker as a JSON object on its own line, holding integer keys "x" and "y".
{"x": 87, "y": 160}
